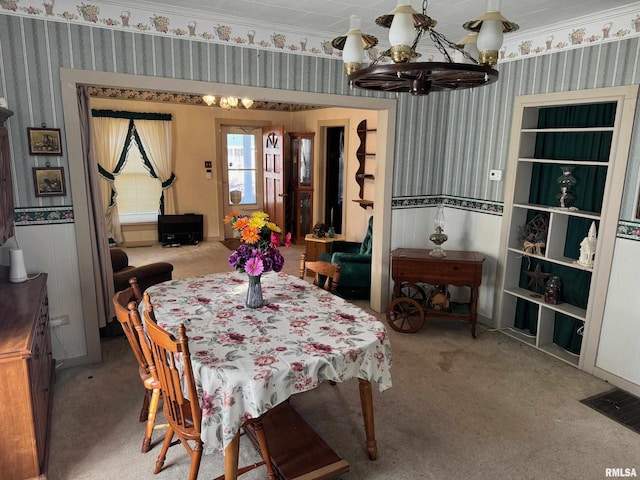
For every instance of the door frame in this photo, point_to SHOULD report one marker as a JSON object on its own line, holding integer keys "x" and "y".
{"x": 386, "y": 109}
{"x": 321, "y": 165}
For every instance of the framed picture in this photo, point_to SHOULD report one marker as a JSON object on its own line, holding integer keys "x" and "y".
{"x": 44, "y": 141}
{"x": 49, "y": 181}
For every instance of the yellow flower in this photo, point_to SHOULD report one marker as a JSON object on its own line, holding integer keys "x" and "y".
{"x": 273, "y": 227}
{"x": 256, "y": 222}
{"x": 261, "y": 215}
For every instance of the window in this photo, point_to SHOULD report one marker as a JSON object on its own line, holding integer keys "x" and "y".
{"x": 241, "y": 166}
{"x": 138, "y": 192}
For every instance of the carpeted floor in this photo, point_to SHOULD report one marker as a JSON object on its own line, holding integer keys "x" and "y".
{"x": 459, "y": 408}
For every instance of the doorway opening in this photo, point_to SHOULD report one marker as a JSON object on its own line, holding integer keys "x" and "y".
{"x": 334, "y": 178}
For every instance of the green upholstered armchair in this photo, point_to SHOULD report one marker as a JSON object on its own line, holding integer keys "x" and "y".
{"x": 355, "y": 260}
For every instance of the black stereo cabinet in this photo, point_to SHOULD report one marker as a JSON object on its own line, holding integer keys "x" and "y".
{"x": 174, "y": 230}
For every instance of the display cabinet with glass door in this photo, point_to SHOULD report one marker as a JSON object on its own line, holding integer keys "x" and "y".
{"x": 301, "y": 184}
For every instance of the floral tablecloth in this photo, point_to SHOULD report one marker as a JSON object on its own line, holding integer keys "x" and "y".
{"x": 247, "y": 361}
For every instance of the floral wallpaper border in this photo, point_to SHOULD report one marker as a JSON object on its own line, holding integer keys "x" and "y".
{"x": 609, "y": 25}
{"x": 43, "y": 215}
{"x": 187, "y": 99}
{"x": 494, "y": 208}
{"x": 49, "y": 215}
{"x": 629, "y": 230}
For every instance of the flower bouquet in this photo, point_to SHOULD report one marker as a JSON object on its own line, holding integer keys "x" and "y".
{"x": 259, "y": 250}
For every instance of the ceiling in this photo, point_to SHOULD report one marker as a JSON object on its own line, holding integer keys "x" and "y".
{"x": 330, "y": 18}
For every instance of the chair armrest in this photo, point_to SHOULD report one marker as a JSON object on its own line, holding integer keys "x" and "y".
{"x": 344, "y": 246}
{"x": 147, "y": 275}
{"x": 344, "y": 257}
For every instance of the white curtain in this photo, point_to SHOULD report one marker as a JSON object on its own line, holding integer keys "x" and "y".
{"x": 109, "y": 136}
{"x": 155, "y": 136}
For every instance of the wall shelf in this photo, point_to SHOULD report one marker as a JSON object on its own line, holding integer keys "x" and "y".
{"x": 362, "y": 155}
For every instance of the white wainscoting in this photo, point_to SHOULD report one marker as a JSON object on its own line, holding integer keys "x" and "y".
{"x": 467, "y": 230}
{"x": 51, "y": 248}
{"x": 619, "y": 349}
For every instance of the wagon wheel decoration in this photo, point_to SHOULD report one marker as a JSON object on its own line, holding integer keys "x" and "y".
{"x": 414, "y": 291}
{"x": 405, "y": 315}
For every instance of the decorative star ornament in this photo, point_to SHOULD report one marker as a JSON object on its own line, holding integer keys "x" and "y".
{"x": 537, "y": 277}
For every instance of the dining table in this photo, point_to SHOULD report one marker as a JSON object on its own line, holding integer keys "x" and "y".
{"x": 246, "y": 361}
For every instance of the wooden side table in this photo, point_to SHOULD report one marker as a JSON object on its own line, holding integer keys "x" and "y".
{"x": 459, "y": 268}
{"x": 315, "y": 246}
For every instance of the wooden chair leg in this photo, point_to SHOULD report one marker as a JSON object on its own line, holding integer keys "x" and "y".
{"x": 163, "y": 453}
{"x": 264, "y": 447}
{"x": 231, "y": 458}
{"x": 196, "y": 456}
{"x": 151, "y": 420}
{"x": 144, "y": 411}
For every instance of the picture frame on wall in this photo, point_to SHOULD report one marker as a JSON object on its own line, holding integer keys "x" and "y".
{"x": 44, "y": 141}
{"x": 49, "y": 182}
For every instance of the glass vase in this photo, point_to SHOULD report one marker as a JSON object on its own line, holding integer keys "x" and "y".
{"x": 254, "y": 292}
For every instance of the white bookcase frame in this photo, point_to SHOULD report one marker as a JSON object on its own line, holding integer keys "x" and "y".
{"x": 517, "y": 187}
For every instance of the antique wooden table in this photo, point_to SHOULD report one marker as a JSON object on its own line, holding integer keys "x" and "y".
{"x": 459, "y": 268}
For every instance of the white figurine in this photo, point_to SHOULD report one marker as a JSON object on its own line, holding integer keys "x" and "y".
{"x": 588, "y": 247}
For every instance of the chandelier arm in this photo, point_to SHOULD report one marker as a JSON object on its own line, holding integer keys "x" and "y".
{"x": 439, "y": 40}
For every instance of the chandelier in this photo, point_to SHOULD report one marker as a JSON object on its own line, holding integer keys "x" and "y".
{"x": 406, "y": 28}
{"x": 227, "y": 102}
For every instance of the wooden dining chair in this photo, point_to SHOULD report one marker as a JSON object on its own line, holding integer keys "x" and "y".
{"x": 151, "y": 399}
{"x": 326, "y": 274}
{"x": 183, "y": 413}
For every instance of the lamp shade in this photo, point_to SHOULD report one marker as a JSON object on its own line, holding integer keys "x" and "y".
{"x": 490, "y": 36}
{"x": 402, "y": 31}
{"x": 353, "y": 48}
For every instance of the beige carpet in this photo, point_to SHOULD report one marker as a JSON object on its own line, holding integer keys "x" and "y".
{"x": 459, "y": 408}
{"x": 206, "y": 257}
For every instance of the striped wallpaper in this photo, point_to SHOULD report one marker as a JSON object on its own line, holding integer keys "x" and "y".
{"x": 446, "y": 142}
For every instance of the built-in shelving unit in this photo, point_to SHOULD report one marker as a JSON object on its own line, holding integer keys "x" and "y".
{"x": 362, "y": 155}
{"x": 589, "y": 131}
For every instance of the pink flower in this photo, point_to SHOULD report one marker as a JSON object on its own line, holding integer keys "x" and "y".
{"x": 254, "y": 266}
{"x": 299, "y": 323}
{"x": 275, "y": 240}
{"x": 297, "y": 366}
{"x": 287, "y": 240}
{"x": 319, "y": 348}
{"x": 208, "y": 406}
{"x": 233, "y": 338}
{"x": 265, "y": 360}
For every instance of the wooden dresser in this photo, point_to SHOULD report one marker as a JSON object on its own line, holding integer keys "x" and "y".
{"x": 26, "y": 378}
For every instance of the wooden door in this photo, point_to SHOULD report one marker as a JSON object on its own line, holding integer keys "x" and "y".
{"x": 274, "y": 174}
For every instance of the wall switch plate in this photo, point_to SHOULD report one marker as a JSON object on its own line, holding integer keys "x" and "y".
{"x": 495, "y": 175}
{"x": 207, "y": 164}
{"x": 59, "y": 321}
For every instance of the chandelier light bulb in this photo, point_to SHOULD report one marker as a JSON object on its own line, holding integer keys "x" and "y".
{"x": 353, "y": 52}
{"x": 402, "y": 32}
{"x": 224, "y": 103}
{"x": 209, "y": 99}
{"x": 232, "y": 101}
{"x": 247, "y": 102}
{"x": 489, "y": 41}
